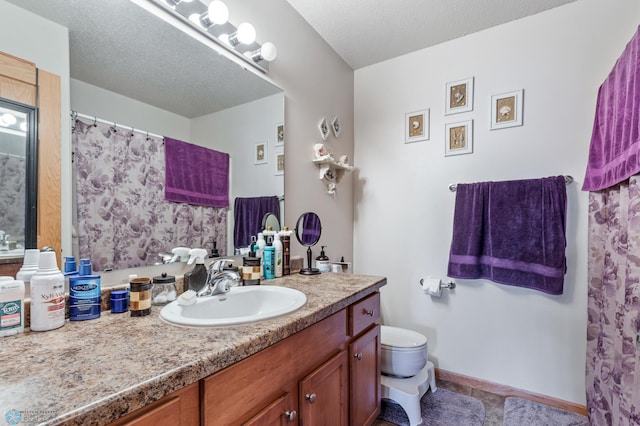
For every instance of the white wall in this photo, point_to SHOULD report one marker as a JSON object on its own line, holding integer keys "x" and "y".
{"x": 28, "y": 36}
{"x": 403, "y": 208}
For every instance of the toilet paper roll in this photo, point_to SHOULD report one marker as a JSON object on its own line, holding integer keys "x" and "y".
{"x": 431, "y": 286}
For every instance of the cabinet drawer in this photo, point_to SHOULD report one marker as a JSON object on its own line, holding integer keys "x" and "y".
{"x": 364, "y": 313}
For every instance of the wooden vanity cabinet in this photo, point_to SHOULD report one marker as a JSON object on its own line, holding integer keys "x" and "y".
{"x": 364, "y": 358}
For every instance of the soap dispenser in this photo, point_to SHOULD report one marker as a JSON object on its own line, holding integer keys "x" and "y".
{"x": 322, "y": 261}
{"x": 196, "y": 278}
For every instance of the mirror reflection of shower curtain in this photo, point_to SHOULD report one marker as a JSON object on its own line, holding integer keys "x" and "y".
{"x": 123, "y": 219}
{"x": 613, "y": 355}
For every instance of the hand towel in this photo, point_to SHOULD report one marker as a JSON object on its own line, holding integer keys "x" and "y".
{"x": 195, "y": 174}
{"x": 247, "y": 217}
{"x": 614, "y": 154}
{"x": 511, "y": 232}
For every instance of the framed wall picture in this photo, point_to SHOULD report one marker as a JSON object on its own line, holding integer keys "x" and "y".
{"x": 416, "y": 126}
{"x": 506, "y": 109}
{"x": 336, "y": 127}
{"x": 458, "y": 138}
{"x": 459, "y": 96}
{"x": 279, "y": 134}
{"x": 323, "y": 126}
{"x": 260, "y": 153}
{"x": 279, "y": 164}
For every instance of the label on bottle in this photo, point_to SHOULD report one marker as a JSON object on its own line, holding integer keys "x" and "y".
{"x": 10, "y": 314}
{"x": 84, "y": 299}
{"x": 47, "y": 305}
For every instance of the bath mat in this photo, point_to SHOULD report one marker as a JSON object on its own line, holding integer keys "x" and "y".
{"x": 518, "y": 411}
{"x": 440, "y": 408}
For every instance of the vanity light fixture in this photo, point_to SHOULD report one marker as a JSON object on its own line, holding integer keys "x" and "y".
{"x": 212, "y": 21}
{"x": 7, "y": 120}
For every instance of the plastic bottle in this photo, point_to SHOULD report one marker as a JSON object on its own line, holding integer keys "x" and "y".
{"x": 196, "y": 278}
{"x": 268, "y": 261}
{"x": 277, "y": 258}
{"x": 322, "y": 261}
{"x": 84, "y": 293}
{"x": 285, "y": 237}
{"x": 11, "y": 307}
{"x": 29, "y": 267}
{"x": 260, "y": 245}
{"x": 47, "y": 294}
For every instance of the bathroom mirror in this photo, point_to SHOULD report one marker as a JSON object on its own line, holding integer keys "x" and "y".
{"x": 18, "y": 178}
{"x": 308, "y": 230}
{"x": 120, "y": 47}
{"x": 271, "y": 220}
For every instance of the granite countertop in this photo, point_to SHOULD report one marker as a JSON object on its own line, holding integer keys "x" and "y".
{"x": 93, "y": 372}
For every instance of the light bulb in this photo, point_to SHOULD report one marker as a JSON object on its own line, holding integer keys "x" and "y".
{"x": 268, "y": 51}
{"x": 246, "y": 33}
{"x": 218, "y": 12}
{"x": 10, "y": 119}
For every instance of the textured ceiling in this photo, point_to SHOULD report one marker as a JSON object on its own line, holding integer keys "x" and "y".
{"x": 364, "y": 32}
{"x": 120, "y": 47}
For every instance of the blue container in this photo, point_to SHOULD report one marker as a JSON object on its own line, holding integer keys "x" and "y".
{"x": 269, "y": 262}
{"x": 119, "y": 301}
{"x": 84, "y": 294}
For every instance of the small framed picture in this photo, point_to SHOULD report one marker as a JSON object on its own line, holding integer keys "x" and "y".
{"x": 336, "y": 127}
{"x": 416, "y": 126}
{"x": 323, "y": 126}
{"x": 458, "y": 138}
{"x": 260, "y": 153}
{"x": 279, "y": 136}
{"x": 459, "y": 96}
{"x": 279, "y": 164}
{"x": 506, "y": 109}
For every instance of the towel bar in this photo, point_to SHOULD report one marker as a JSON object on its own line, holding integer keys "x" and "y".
{"x": 567, "y": 180}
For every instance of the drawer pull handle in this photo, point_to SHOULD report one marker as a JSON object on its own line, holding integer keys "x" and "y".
{"x": 311, "y": 398}
{"x": 358, "y": 356}
{"x": 291, "y": 415}
{"x": 368, "y": 312}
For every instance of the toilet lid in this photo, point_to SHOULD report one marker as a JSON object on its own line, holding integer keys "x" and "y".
{"x": 401, "y": 337}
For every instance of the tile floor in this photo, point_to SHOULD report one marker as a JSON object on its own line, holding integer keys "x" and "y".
{"x": 493, "y": 404}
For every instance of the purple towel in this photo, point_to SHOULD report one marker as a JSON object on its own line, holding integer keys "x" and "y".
{"x": 247, "y": 217}
{"x": 614, "y": 154}
{"x": 195, "y": 174}
{"x": 511, "y": 232}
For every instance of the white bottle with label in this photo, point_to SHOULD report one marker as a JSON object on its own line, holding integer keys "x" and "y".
{"x": 261, "y": 244}
{"x": 29, "y": 268}
{"x": 277, "y": 245}
{"x": 47, "y": 294}
{"x": 11, "y": 307}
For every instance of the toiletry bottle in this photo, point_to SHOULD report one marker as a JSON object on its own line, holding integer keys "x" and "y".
{"x": 196, "y": 278}
{"x": 29, "y": 267}
{"x": 47, "y": 294}
{"x": 214, "y": 250}
{"x": 11, "y": 307}
{"x": 268, "y": 262}
{"x": 260, "y": 245}
{"x": 322, "y": 261}
{"x": 277, "y": 256}
{"x": 251, "y": 268}
{"x": 84, "y": 293}
{"x": 285, "y": 237}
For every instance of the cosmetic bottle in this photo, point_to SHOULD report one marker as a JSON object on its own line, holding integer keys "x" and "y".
{"x": 285, "y": 237}
{"x": 84, "y": 293}
{"x": 251, "y": 267}
{"x": 196, "y": 278}
{"x": 260, "y": 245}
{"x": 268, "y": 262}
{"x": 277, "y": 256}
{"x": 47, "y": 294}
{"x": 11, "y": 307}
{"x": 322, "y": 261}
{"x": 29, "y": 267}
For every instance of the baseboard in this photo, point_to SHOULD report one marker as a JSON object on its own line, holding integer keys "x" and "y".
{"x": 504, "y": 390}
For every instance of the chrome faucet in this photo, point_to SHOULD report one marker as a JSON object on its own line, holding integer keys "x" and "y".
{"x": 219, "y": 280}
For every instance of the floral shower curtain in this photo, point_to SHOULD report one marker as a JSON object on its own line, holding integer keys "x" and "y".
{"x": 613, "y": 361}
{"x": 123, "y": 220}
{"x": 12, "y": 194}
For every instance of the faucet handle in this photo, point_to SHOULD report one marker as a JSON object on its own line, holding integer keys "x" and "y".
{"x": 218, "y": 265}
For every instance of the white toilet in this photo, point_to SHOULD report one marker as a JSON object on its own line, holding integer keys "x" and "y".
{"x": 406, "y": 371}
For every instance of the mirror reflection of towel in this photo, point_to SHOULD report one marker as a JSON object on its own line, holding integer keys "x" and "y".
{"x": 511, "y": 232}
{"x": 247, "y": 217}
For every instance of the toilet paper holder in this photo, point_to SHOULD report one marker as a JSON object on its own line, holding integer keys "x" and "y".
{"x": 450, "y": 285}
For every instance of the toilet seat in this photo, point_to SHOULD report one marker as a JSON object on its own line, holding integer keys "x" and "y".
{"x": 404, "y": 352}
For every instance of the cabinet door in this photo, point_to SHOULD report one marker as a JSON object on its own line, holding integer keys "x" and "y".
{"x": 281, "y": 412}
{"x": 364, "y": 354}
{"x": 324, "y": 394}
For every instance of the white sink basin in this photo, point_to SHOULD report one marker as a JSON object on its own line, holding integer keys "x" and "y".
{"x": 241, "y": 305}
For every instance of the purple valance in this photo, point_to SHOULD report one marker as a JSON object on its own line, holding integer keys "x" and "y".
{"x": 195, "y": 174}
{"x": 614, "y": 154}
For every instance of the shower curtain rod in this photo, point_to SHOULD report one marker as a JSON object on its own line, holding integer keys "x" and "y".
{"x": 75, "y": 114}
{"x": 567, "y": 179}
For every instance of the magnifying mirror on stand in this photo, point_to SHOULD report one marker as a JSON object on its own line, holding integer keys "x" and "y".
{"x": 308, "y": 230}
